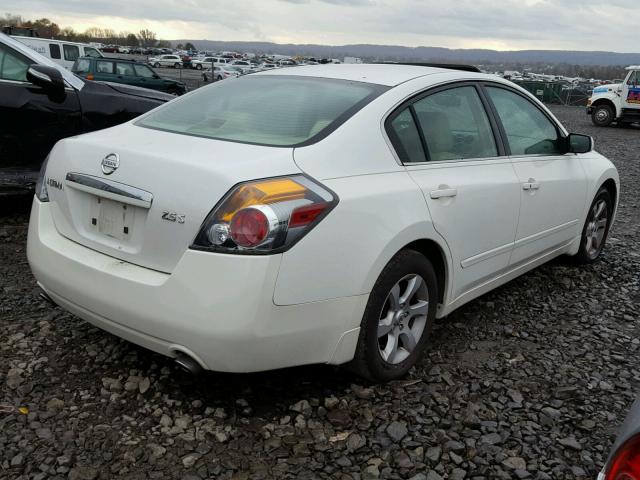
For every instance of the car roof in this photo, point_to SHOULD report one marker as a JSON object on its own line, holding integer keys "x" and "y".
{"x": 381, "y": 74}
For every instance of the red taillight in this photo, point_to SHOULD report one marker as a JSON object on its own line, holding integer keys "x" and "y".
{"x": 302, "y": 216}
{"x": 625, "y": 465}
{"x": 249, "y": 227}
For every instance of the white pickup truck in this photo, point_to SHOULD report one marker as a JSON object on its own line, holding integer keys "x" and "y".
{"x": 618, "y": 102}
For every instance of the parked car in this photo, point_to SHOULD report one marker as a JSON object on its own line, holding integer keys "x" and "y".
{"x": 243, "y": 65}
{"x": 206, "y": 62}
{"x": 42, "y": 102}
{"x": 62, "y": 52}
{"x": 624, "y": 460}
{"x": 174, "y": 61}
{"x": 130, "y": 72}
{"x": 222, "y": 72}
{"x": 270, "y": 221}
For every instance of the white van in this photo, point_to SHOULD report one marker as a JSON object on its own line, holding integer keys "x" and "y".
{"x": 60, "y": 51}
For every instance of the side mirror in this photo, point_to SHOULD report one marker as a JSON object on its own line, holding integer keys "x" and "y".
{"x": 577, "y": 143}
{"x": 49, "y": 78}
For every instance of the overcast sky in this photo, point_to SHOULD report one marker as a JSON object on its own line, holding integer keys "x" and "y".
{"x": 503, "y": 25}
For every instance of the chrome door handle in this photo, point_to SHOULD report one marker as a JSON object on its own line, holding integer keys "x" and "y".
{"x": 446, "y": 192}
{"x": 531, "y": 186}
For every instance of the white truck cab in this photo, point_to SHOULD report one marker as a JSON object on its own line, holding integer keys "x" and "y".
{"x": 617, "y": 102}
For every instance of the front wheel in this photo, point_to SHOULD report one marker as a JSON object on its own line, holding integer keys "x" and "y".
{"x": 199, "y": 66}
{"x": 596, "y": 228}
{"x": 602, "y": 115}
{"x": 156, "y": 65}
{"x": 398, "y": 318}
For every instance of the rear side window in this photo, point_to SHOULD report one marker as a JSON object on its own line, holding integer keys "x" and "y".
{"x": 124, "y": 69}
{"x": 406, "y": 138}
{"x": 82, "y": 65}
{"x": 265, "y": 110}
{"x": 54, "y": 50}
{"x": 529, "y": 131}
{"x": 103, "y": 66}
{"x": 455, "y": 125}
{"x": 71, "y": 52}
{"x": 91, "y": 52}
{"x": 13, "y": 66}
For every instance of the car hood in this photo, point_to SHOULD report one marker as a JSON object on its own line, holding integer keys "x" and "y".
{"x": 139, "y": 91}
{"x": 614, "y": 87}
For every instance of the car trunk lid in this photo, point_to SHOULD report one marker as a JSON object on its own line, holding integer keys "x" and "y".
{"x": 148, "y": 210}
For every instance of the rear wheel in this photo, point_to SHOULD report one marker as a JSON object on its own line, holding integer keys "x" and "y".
{"x": 398, "y": 318}
{"x": 199, "y": 66}
{"x": 156, "y": 65}
{"x": 219, "y": 77}
{"x": 596, "y": 228}
{"x": 177, "y": 65}
{"x": 602, "y": 115}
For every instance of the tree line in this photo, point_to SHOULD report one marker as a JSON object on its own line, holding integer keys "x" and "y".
{"x": 49, "y": 29}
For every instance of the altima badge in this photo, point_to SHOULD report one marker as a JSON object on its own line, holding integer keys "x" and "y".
{"x": 110, "y": 163}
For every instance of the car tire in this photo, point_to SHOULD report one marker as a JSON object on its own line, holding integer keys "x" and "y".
{"x": 219, "y": 78}
{"x": 199, "y": 66}
{"x": 398, "y": 318}
{"x": 177, "y": 65}
{"x": 602, "y": 115}
{"x": 596, "y": 228}
{"x": 156, "y": 65}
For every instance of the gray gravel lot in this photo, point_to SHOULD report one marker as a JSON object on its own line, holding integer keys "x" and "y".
{"x": 529, "y": 381}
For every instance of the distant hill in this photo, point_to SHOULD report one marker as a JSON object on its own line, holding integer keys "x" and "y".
{"x": 435, "y": 54}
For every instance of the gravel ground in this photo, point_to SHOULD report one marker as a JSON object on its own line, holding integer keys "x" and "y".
{"x": 529, "y": 381}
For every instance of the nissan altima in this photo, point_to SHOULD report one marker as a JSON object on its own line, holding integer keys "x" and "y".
{"x": 326, "y": 214}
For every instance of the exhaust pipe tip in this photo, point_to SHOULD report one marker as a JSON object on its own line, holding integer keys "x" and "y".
{"x": 188, "y": 364}
{"x": 47, "y": 299}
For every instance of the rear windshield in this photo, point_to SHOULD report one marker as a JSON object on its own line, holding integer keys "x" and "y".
{"x": 280, "y": 111}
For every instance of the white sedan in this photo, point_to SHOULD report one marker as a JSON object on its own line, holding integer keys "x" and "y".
{"x": 323, "y": 214}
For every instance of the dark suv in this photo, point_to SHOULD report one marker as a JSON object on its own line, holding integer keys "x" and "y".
{"x": 41, "y": 103}
{"x": 130, "y": 72}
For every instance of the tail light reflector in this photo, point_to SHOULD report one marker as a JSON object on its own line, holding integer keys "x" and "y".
{"x": 625, "y": 465}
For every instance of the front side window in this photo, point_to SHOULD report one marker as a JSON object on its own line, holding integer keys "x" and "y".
{"x": 13, "y": 66}
{"x": 71, "y": 52}
{"x": 143, "y": 71}
{"x": 103, "y": 66}
{"x": 82, "y": 65}
{"x": 633, "y": 79}
{"x": 124, "y": 69}
{"x": 274, "y": 111}
{"x": 529, "y": 131}
{"x": 54, "y": 50}
{"x": 455, "y": 125}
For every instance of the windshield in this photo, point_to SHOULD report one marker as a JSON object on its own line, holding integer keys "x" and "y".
{"x": 273, "y": 110}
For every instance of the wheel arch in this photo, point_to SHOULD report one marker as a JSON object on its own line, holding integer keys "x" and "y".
{"x": 606, "y": 101}
{"x": 436, "y": 255}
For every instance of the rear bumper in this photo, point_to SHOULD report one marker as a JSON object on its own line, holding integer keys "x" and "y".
{"x": 216, "y": 308}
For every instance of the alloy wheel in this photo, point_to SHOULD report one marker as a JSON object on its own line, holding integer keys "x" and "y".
{"x": 403, "y": 318}
{"x": 596, "y": 228}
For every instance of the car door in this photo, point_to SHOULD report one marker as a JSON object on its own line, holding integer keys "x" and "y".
{"x": 30, "y": 120}
{"x": 105, "y": 71}
{"x": 145, "y": 77}
{"x": 449, "y": 146}
{"x": 631, "y": 91}
{"x": 125, "y": 73}
{"x": 553, "y": 185}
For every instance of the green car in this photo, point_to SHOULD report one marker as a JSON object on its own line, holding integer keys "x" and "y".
{"x": 119, "y": 70}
